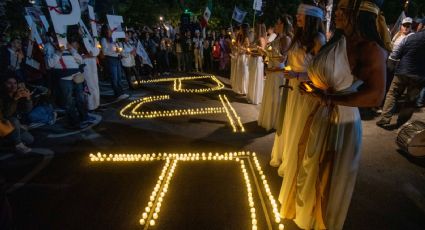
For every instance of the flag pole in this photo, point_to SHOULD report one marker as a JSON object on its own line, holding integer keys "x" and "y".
{"x": 253, "y": 24}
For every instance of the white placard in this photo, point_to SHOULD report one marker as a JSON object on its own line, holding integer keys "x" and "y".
{"x": 62, "y": 21}
{"x": 90, "y": 39}
{"x": 28, "y": 60}
{"x": 257, "y": 5}
{"x": 93, "y": 22}
{"x": 34, "y": 32}
{"x": 140, "y": 50}
{"x": 115, "y": 22}
{"x": 37, "y": 22}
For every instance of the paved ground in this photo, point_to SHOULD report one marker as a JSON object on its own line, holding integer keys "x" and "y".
{"x": 58, "y": 188}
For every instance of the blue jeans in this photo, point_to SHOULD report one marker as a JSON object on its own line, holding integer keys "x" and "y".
{"x": 115, "y": 70}
{"x": 73, "y": 96}
{"x": 19, "y": 135}
{"x": 421, "y": 98}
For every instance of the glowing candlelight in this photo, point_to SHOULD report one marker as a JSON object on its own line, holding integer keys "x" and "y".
{"x": 308, "y": 87}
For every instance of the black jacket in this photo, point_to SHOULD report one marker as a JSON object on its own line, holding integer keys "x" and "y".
{"x": 412, "y": 56}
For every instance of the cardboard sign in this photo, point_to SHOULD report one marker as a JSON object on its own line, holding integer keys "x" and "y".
{"x": 140, "y": 50}
{"x": 257, "y": 5}
{"x": 90, "y": 39}
{"x": 28, "y": 60}
{"x": 115, "y": 26}
{"x": 61, "y": 21}
{"x": 93, "y": 22}
{"x": 37, "y": 22}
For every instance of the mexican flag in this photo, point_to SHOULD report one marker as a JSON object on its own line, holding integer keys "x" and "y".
{"x": 206, "y": 17}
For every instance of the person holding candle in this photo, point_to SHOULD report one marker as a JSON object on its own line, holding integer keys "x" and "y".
{"x": 256, "y": 66}
{"x": 308, "y": 39}
{"x": 277, "y": 54}
{"x": 241, "y": 75}
{"x": 112, "y": 53}
{"x": 326, "y": 163}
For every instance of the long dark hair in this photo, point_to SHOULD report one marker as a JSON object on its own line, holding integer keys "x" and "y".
{"x": 363, "y": 22}
{"x": 104, "y": 32}
{"x": 306, "y": 36}
{"x": 288, "y": 29}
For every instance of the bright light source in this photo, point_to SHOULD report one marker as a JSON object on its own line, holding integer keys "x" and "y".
{"x": 151, "y": 216}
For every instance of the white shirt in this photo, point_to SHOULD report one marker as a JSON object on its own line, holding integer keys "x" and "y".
{"x": 197, "y": 43}
{"x": 15, "y": 63}
{"x": 109, "y": 48}
{"x": 127, "y": 59}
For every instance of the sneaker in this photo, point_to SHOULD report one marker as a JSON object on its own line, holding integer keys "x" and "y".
{"x": 55, "y": 117}
{"x": 84, "y": 124}
{"x": 123, "y": 96}
{"x": 21, "y": 148}
{"x": 91, "y": 117}
{"x": 383, "y": 122}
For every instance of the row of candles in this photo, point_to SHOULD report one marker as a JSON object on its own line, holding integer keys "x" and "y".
{"x": 131, "y": 111}
{"x": 152, "y": 209}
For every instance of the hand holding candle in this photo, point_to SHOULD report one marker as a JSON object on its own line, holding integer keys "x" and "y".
{"x": 310, "y": 89}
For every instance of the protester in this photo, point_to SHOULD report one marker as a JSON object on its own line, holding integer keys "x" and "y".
{"x": 325, "y": 166}
{"x": 15, "y": 102}
{"x": 67, "y": 65}
{"x": 128, "y": 61}
{"x": 178, "y": 44}
{"x": 89, "y": 54}
{"x": 112, "y": 53}
{"x": 198, "y": 51}
{"x": 14, "y": 58}
{"x": 409, "y": 75}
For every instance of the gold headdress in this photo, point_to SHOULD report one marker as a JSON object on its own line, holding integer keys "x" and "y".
{"x": 381, "y": 25}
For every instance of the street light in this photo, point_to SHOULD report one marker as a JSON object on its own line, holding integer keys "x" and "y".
{"x": 161, "y": 18}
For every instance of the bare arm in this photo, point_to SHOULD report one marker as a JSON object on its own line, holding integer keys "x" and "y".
{"x": 372, "y": 71}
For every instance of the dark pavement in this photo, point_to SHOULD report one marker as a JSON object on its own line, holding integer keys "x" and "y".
{"x": 59, "y": 188}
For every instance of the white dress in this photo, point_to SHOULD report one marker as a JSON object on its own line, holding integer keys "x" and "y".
{"x": 256, "y": 79}
{"x": 327, "y": 160}
{"x": 294, "y": 117}
{"x": 241, "y": 75}
{"x": 272, "y": 94}
{"x": 233, "y": 68}
{"x": 92, "y": 81}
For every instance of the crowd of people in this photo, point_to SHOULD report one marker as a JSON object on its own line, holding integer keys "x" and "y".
{"x": 41, "y": 80}
{"x": 313, "y": 90}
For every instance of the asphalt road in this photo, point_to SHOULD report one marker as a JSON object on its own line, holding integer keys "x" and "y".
{"x": 59, "y": 188}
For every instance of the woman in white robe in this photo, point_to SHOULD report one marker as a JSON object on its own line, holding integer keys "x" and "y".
{"x": 329, "y": 149}
{"x": 90, "y": 74}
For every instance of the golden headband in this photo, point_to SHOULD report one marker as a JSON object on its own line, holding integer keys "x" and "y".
{"x": 369, "y": 7}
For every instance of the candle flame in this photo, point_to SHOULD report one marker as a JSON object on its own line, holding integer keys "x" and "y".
{"x": 288, "y": 68}
{"x": 308, "y": 87}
